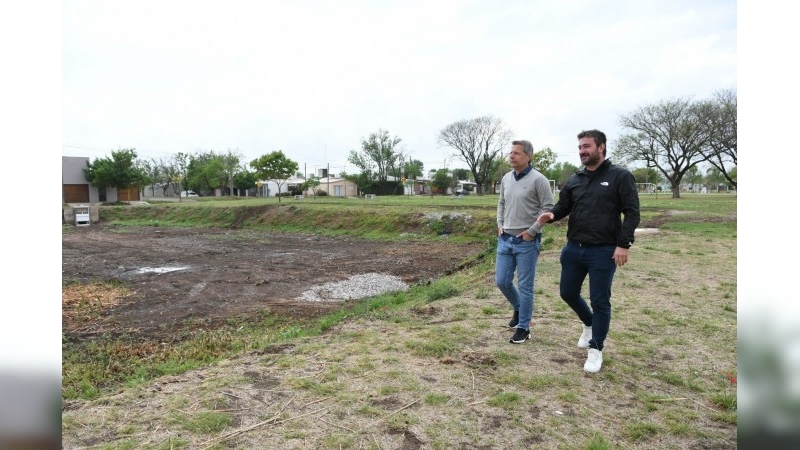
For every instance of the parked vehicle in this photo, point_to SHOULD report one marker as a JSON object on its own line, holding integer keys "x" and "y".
{"x": 189, "y": 194}
{"x": 462, "y": 192}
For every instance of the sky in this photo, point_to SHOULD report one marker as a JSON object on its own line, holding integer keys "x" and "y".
{"x": 314, "y": 78}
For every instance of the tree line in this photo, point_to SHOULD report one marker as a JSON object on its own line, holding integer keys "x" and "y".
{"x": 672, "y": 141}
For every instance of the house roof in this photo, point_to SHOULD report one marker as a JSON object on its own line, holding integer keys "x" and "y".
{"x": 332, "y": 180}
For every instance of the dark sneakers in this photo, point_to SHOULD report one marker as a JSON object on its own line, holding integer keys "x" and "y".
{"x": 520, "y": 336}
{"x": 514, "y": 320}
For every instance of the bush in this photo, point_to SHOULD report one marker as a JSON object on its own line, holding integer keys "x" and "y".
{"x": 321, "y": 193}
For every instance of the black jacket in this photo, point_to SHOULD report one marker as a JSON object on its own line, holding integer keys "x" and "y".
{"x": 594, "y": 202}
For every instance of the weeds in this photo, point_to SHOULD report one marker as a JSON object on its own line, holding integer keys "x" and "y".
{"x": 432, "y": 367}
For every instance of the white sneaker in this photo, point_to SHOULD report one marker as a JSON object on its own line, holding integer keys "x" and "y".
{"x": 586, "y": 336}
{"x": 594, "y": 361}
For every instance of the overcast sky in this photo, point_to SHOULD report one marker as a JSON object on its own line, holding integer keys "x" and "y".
{"x": 314, "y": 78}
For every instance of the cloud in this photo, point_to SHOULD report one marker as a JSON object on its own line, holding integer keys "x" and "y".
{"x": 313, "y": 78}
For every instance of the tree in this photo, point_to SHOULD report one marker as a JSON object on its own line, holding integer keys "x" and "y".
{"x": 311, "y": 184}
{"x": 453, "y": 182}
{"x": 149, "y": 171}
{"x": 722, "y": 126}
{"x": 413, "y": 169}
{"x": 669, "y": 136}
{"x": 178, "y": 169}
{"x": 365, "y": 181}
{"x": 501, "y": 167}
{"x": 479, "y": 142}
{"x": 544, "y": 159}
{"x": 230, "y": 167}
{"x": 694, "y": 176}
{"x": 244, "y": 180}
{"x": 714, "y": 178}
{"x": 120, "y": 171}
{"x": 461, "y": 174}
{"x": 377, "y": 155}
{"x": 205, "y": 172}
{"x": 156, "y": 172}
{"x": 560, "y": 172}
{"x": 441, "y": 180}
{"x": 274, "y": 167}
{"x": 645, "y": 175}
{"x": 731, "y": 176}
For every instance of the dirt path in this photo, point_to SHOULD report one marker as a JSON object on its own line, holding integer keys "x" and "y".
{"x": 199, "y": 277}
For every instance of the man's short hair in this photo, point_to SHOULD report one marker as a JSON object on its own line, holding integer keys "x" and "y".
{"x": 527, "y": 147}
{"x": 598, "y": 136}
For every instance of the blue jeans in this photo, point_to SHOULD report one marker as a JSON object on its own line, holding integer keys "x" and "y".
{"x": 516, "y": 254}
{"x": 576, "y": 262}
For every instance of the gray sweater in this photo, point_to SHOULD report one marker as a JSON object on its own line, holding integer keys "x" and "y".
{"x": 522, "y": 202}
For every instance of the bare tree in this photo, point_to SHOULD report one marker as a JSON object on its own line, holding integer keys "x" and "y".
{"x": 721, "y": 150}
{"x": 669, "y": 136}
{"x": 154, "y": 169}
{"x": 479, "y": 142}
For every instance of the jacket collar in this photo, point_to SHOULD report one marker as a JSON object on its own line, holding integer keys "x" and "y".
{"x": 601, "y": 168}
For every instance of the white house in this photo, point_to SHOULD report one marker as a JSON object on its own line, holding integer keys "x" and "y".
{"x": 336, "y": 187}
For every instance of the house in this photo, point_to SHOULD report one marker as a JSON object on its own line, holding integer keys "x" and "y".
{"x": 295, "y": 184}
{"x": 269, "y": 188}
{"x": 417, "y": 186}
{"x": 464, "y": 185}
{"x": 336, "y": 187}
{"x": 75, "y": 188}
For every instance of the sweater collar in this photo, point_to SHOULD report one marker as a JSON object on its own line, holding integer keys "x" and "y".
{"x": 523, "y": 173}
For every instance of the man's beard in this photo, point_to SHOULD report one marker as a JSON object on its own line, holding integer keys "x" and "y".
{"x": 592, "y": 159}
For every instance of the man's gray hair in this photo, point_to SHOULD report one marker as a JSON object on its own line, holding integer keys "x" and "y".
{"x": 527, "y": 147}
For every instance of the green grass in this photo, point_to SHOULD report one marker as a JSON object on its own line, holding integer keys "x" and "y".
{"x": 435, "y": 399}
{"x": 205, "y": 422}
{"x": 471, "y": 218}
{"x": 666, "y": 388}
{"x": 504, "y": 399}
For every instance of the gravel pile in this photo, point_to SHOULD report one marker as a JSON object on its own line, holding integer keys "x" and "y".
{"x": 355, "y": 287}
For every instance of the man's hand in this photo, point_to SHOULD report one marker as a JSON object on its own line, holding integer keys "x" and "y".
{"x": 620, "y": 256}
{"x": 525, "y": 236}
{"x": 545, "y": 217}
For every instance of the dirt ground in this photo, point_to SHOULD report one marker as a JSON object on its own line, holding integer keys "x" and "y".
{"x": 389, "y": 380}
{"x": 185, "y": 278}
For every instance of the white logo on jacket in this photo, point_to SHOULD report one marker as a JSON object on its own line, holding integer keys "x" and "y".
{"x": 604, "y": 183}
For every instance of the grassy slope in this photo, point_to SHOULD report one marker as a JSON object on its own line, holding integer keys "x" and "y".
{"x": 434, "y": 365}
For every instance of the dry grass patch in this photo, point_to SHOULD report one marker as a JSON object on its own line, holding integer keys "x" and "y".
{"x": 440, "y": 374}
{"x": 82, "y": 305}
